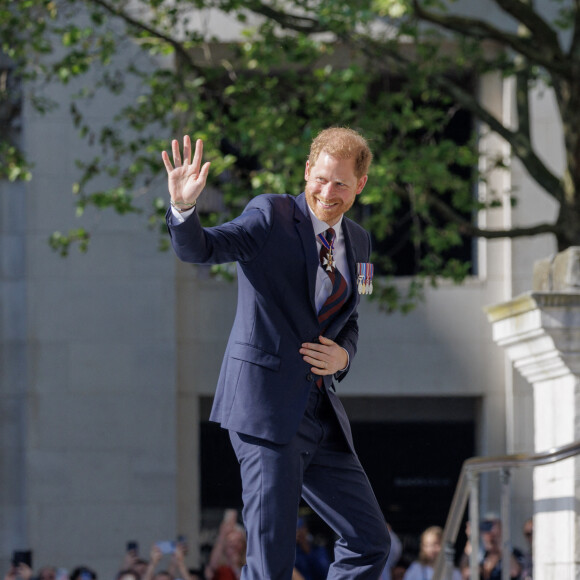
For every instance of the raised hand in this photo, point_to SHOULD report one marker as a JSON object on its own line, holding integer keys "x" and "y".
{"x": 186, "y": 179}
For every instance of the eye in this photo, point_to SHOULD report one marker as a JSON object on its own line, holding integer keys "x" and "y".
{"x": 320, "y": 180}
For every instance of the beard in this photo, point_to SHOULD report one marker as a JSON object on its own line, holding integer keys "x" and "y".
{"x": 329, "y": 215}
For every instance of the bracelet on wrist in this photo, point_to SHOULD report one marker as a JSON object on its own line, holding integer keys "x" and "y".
{"x": 182, "y": 206}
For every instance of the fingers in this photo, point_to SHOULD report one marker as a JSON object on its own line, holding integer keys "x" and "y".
{"x": 198, "y": 154}
{"x": 320, "y": 356}
{"x": 204, "y": 172}
{"x": 177, "y": 160}
{"x": 176, "y": 157}
{"x": 176, "y": 153}
{"x": 327, "y": 357}
{"x": 166, "y": 161}
{"x": 186, "y": 150}
{"x": 324, "y": 348}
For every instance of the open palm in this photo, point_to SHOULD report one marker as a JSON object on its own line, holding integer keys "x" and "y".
{"x": 186, "y": 178}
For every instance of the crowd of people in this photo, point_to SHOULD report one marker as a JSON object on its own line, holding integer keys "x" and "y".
{"x": 132, "y": 567}
{"x": 489, "y": 554}
{"x": 313, "y": 557}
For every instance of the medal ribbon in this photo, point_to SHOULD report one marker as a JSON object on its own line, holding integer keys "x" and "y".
{"x": 365, "y": 271}
{"x": 325, "y": 243}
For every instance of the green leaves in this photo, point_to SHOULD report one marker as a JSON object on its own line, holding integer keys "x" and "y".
{"x": 13, "y": 166}
{"x": 390, "y": 8}
{"x": 62, "y": 243}
{"x": 297, "y": 68}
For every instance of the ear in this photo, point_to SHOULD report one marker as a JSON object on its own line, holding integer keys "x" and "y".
{"x": 306, "y": 171}
{"x": 361, "y": 183}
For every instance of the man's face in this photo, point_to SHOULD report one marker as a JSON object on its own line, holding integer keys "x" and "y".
{"x": 331, "y": 187}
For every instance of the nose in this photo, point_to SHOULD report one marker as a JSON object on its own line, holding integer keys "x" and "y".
{"x": 326, "y": 190}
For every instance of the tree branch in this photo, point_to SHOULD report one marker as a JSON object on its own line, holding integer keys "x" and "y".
{"x": 530, "y": 231}
{"x": 519, "y": 141}
{"x": 548, "y": 55}
{"x": 538, "y": 27}
{"x": 575, "y": 45}
{"x": 303, "y": 24}
{"x": 523, "y": 103}
{"x": 177, "y": 46}
{"x": 469, "y": 229}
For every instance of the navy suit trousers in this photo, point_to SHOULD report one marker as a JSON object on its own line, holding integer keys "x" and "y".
{"x": 318, "y": 465}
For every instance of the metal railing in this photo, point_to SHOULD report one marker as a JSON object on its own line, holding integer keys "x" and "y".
{"x": 468, "y": 489}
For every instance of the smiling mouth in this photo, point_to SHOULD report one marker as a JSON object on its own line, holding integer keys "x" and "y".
{"x": 326, "y": 205}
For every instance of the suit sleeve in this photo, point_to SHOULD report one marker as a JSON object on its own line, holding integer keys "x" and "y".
{"x": 239, "y": 240}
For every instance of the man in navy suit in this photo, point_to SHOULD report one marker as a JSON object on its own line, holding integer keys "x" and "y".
{"x": 287, "y": 347}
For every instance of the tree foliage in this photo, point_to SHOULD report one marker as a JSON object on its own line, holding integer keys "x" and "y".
{"x": 384, "y": 67}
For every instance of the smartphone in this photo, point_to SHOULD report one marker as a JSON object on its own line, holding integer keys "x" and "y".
{"x": 166, "y": 547}
{"x": 22, "y": 557}
{"x": 133, "y": 546}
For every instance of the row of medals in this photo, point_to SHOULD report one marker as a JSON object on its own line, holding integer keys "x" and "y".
{"x": 364, "y": 284}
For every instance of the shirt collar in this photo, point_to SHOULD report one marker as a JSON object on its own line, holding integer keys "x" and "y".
{"x": 320, "y": 226}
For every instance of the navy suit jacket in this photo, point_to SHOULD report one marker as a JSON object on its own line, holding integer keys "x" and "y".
{"x": 264, "y": 382}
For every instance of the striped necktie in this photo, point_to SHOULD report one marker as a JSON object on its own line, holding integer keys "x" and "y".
{"x": 339, "y": 292}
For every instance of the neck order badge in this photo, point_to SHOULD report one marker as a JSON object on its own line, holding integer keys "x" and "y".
{"x": 326, "y": 252}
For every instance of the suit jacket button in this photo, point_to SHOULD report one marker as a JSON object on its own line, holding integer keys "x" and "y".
{"x": 309, "y": 377}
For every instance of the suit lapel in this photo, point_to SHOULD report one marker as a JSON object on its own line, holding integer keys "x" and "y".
{"x": 352, "y": 301}
{"x": 351, "y": 258}
{"x": 306, "y": 234}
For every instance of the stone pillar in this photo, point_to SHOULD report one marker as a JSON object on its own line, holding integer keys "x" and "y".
{"x": 540, "y": 332}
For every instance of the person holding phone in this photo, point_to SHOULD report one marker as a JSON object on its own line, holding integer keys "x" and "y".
{"x": 20, "y": 566}
{"x": 302, "y": 266}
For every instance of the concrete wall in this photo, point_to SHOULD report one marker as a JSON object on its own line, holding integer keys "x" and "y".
{"x": 88, "y": 394}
